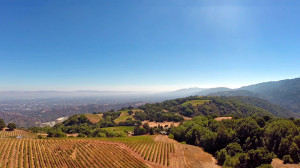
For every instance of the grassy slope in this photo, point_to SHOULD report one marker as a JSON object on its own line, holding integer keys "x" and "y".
{"x": 120, "y": 128}
{"x": 94, "y": 118}
{"x": 123, "y": 117}
{"x": 195, "y": 102}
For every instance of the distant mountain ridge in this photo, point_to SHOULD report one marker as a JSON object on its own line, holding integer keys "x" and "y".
{"x": 212, "y": 90}
{"x": 285, "y": 93}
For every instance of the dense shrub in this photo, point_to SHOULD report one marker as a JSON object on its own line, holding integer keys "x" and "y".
{"x": 2, "y": 124}
{"x": 11, "y": 126}
{"x": 245, "y": 142}
{"x": 287, "y": 159}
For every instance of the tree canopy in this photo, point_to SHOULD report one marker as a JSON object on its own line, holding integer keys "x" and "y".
{"x": 244, "y": 142}
{"x": 11, "y": 126}
{"x": 2, "y": 124}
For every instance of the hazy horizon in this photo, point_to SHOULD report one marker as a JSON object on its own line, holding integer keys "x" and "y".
{"x": 150, "y": 90}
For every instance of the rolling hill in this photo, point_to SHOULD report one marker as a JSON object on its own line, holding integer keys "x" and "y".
{"x": 176, "y": 109}
{"x": 285, "y": 93}
{"x": 214, "y": 105}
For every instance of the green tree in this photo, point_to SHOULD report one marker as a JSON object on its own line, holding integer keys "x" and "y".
{"x": 147, "y": 127}
{"x": 139, "y": 131}
{"x": 265, "y": 166}
{"x": 60, "y": 134}
{"x": 188, "y": 112}
{"x": 100, "y": 135}
{"x": 260, "y": 121}
{"x": 232, "y": 162}
{"x": 224, "y": 137}
{"x": 243, "y": 160}
{"x": 294, "y": 152}
{"x": 297, "y": 122}
{"x": 151, "y": 132}
{"x": 2, "y": 124}
{"x": 12, "y": 126}
{"x": 276, "y": 131}
{"x": 245, "y": 128}
{"x": 284, "y": 146}
{"x": 297, "y": 140}
{"x": 233, "y": 148}
{"x": 55, "y": 133}
{"x": 259, "y": 156}
{"x": 221, "y": 156}
{"x": 171, "y": 136}
{"x": 207, "y": 141}
{"x": 287, "y": 159}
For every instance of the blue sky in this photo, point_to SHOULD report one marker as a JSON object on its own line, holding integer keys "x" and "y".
{"x": 146, "y": 45}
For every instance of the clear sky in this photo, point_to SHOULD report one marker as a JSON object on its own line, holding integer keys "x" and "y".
{"x": 147, "y": 45}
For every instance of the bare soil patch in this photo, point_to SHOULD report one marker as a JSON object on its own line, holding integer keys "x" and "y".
{"x": 277, "y": 163}
{"x": 197, "y": 157}
{"x": 223, "y": 118}
{"x": 186, "y": 118}
{"x": 72, "y": 135}
{"x": 153, "y": 124}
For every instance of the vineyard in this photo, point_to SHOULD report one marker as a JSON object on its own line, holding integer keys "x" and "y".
{"x": 152, "y": 151}
{"x": 48, "y": 153}
{"x": 16, "y": 133}
{"x": 137, "y": 152}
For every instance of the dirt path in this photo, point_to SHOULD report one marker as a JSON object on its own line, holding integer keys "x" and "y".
{"x": 223, "y": 118}
{"x": 277, "y": 163}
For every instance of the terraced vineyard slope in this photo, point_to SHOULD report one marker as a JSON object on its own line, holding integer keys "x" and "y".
{"x": 16, "y": 133}
{"x": 160, "y": 151}
{"x": 155, "y": 151}
{"x": 64, "y": 153}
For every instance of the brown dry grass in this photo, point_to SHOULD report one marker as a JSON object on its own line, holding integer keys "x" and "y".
{"x": 188, "y": 156}
{"x": 71, "y": 135}
{"x": 197, "y": 157}
{"x": 186, "y": 118}
{"x": 277, "y": 163}
{"x": 94, "y": 118}
{"x": 223, "y": 118}
{"x": 153, "y": 124}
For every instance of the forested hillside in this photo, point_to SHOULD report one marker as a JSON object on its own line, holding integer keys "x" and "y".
{"x": 285, "y": 93}
{"x": 272, "y": 108}
{"x": 211, "y": 105}
{"x": 245, "y": 142}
